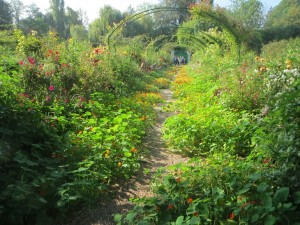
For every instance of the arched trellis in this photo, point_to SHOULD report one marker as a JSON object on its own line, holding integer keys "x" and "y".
{"x": 139, "y": 15}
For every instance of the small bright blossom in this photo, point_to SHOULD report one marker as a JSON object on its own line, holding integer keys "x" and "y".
{"x": 231, "y": 216}
{"x": 31, "y": 60}
{"x": 51, "y": 88}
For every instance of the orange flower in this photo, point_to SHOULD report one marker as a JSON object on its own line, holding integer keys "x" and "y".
{"x": 231, "y": 216}
{"x": 190, "y": 200}
{"x": 133, "y": 150}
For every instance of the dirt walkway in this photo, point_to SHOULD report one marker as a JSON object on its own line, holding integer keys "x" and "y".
{"x": 139, "y": 185}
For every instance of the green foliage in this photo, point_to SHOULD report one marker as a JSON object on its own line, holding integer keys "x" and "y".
{"x": 248, "y": 12}
{"x": 7, "y": 39}
{"x": 277, "y": 50}
{"x": 6, "y": 17}
{"x": 28, "y": 45}
{"x": 219, "y": 189}
{"x": 58, "y": 12}
{"x": 283, "y": 21}
{"x": 250, "y": 173}
{"x": 70, "y": 126}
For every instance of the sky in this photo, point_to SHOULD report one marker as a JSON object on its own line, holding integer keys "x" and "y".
{"x": 92, "y": 7}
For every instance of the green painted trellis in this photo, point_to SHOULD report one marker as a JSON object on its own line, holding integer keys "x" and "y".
{"x": 206, "y": 14}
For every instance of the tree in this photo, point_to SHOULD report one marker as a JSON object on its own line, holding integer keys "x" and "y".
{"x": 71, "y": 19}
{"x": 6, "y": 17}
{"x": 17, "y": 10}
{"x": 283, "y": 21}
{"x": 58, "y": 12}
{"x": 34, "y": 20}
{"x": 100, "y": 27}
{"x": 78, "y": 32}
{"x": 167, "y": 21}
{"x": 248, "y": 12}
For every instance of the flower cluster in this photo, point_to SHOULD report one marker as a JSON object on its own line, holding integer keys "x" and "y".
{"x": 281, "y": 82}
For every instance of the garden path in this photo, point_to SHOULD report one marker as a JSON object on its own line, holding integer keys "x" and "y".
{"x": 139, "y": 185}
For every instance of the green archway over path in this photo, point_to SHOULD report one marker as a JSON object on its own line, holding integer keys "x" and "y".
{"x": 205, "y": 12}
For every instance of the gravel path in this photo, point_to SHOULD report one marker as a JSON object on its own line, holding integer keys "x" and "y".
{"x": 138, "y": 186}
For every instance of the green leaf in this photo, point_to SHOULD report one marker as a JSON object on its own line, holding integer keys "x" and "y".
{"x": 281, "y": 194}
{"x": 262, "y": 187}
{"x": 143, "y": 223}
{"x": 270, "y": 220}
{"x": 195, "y": 220}
{"x": 255, "y": 176}
{"x": 130, "y": 216}
{"x": 127, "y": 154}
{"x": 81, "y": 169}
{"x": 117, "y": 218}
{"x": 179, "y": 220}
{"x": 242, "y": 191}
{"x": 297, "y": 197}
{"x": 254, "y": 218}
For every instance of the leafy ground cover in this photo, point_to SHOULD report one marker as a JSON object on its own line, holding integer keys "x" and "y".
{"x": 240, "y": 123}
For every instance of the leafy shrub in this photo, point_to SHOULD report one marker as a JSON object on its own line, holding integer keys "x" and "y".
{"x": 70, "y": 128}
{"x": 219, "y": 189}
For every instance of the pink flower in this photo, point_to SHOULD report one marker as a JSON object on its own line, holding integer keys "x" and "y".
{"x": 21, "y": 62}
{"x": 31, "y": 60}
{"x": 51, "y": 88}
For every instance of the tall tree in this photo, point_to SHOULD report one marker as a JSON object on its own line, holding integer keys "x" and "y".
{"x": 287, "y": 12}
{"x": 17, "y": 10}
{"x": 34, "y": 20}
{"x": 58, "y": 12}
{"x": 248, "y": 12}
{"x": 100, "y": 27}
{"x": 6, "y": 17}
{"x": 167, "y": 21}
{"x": 283, "y": 21}
{"x": 71, "y": 19}
{"x": 78, "y": 32}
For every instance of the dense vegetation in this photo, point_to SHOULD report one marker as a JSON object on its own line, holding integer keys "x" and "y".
{"x": 73, "y": 111}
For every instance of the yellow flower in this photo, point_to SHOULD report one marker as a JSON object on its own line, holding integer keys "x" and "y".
{"x": 288, "y": 62}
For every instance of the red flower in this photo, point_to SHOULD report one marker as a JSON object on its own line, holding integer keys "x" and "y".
{"x": 31, "y": 60}
{"x": 231, "y": 216}
{"x": 170, "y": 206}
{"x": 21, "y": 62}
{"x": 190, "y": 200}
{"x": 51, "y": 88}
